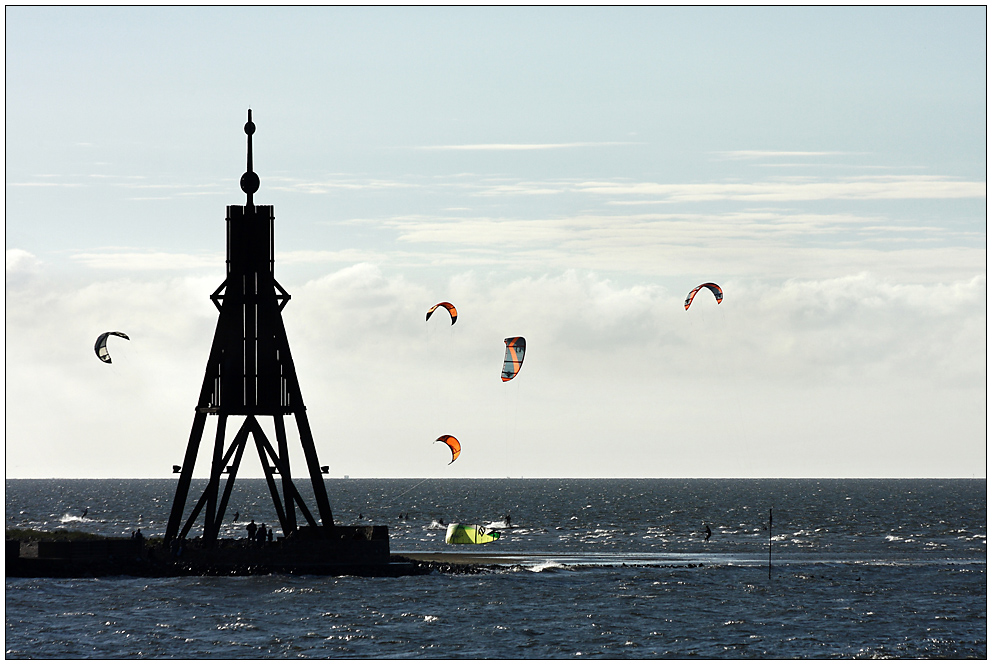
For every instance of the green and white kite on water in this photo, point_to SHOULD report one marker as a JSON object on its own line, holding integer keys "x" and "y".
{"x": 469, "y": 534}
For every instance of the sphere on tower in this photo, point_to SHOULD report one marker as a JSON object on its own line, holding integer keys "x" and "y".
{"x": 249, "y": 182}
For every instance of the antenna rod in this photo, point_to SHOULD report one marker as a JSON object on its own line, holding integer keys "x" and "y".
{"x": 249, "y": 181}
{"x": 249, "y": 130}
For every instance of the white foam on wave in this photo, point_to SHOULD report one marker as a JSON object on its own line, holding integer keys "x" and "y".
{"x": 899, "y": 539}
{"x": 74, "y": 518}
{"x": 546, "y": 565}
{"x": 436, "y": 526}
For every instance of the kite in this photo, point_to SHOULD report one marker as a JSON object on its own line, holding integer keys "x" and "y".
{"x": 717, "y": 291}
{"x": 452, "y": 442}
{"x": 469, "y": 534}
{"x": 448, "y": 306}
{"x": 515, "y": 348}
{"x": 101, "y": 345}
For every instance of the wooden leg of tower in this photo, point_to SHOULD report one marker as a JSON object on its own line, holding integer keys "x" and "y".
{"x": 288, "y": 491}
{"x": 210, "y": 521}
{"x": 269, "y": 479}
{"x": 185, "y": 476}
{"x": 313, "y": 465}
{"x": 191, "y": 520}
{"x": 222, "y": 508}
{"x": 236, "y": 446}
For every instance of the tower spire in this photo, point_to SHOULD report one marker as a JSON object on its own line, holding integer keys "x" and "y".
{"x": 249, "y": 181}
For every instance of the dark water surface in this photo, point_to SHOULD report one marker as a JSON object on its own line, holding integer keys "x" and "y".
{"x": 606, "y": 569}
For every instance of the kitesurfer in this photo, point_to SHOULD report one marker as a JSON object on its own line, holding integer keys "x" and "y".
{"x": 708, "y": 533}
{"x": 85, "y": 511}
{"x": 236, "y": 515}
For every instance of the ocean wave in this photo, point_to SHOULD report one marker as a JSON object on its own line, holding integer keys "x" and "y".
{"x": 546, "y": 565}
{"x": 67, "y": 518}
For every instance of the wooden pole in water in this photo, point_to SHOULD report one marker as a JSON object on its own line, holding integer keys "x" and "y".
{"x": 769, "y": 543}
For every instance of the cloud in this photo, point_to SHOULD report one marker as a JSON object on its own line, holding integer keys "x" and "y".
{"x": 797, "y": 189}
{"x": 307, "y": 256}
{"x": 163, "y": 190}
{"x": 44, "y": 184}
{"x": 21, "y": 262}
{"x": 148, "y": 260}
{"x": 324, "y": 186}
{"x": 525, "y": 146}
{"x": 761, "y": 154}
{"x": 776, "y": 366}
{"x": 621, "y": 191}
{"x": 775, "y": 243}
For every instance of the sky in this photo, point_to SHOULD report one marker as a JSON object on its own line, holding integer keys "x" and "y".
{"x": 562, "y": 174}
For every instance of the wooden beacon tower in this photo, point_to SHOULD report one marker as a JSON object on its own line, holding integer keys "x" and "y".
{"x": 250, "y": 374}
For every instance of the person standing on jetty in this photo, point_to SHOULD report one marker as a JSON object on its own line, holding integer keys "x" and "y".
{"x": 252, "y": 529}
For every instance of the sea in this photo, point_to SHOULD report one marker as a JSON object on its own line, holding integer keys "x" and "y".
{"x": 594, "y": 568}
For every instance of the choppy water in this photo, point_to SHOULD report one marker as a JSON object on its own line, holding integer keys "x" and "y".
{"x": 862, "y": 568}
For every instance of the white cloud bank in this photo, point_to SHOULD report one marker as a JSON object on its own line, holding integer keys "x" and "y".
{"x": 850, "y": 376}
{"x": 758, "y": 243}
{"x": 800, "y": 189}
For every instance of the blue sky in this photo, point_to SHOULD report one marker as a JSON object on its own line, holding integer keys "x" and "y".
{"x": 562, "y": 174}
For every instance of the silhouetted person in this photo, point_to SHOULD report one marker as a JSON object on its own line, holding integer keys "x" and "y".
{"x": 236, "y": 514}
{"x": 261, "y": 534}
{"x": 268, "y": 535}
{"x": 85, "y": 511}
{"x": 708, "y": 533}
{"x": 252, "y": 530}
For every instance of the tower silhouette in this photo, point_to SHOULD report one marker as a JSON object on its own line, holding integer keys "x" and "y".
{"x": 250, "y": 373}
